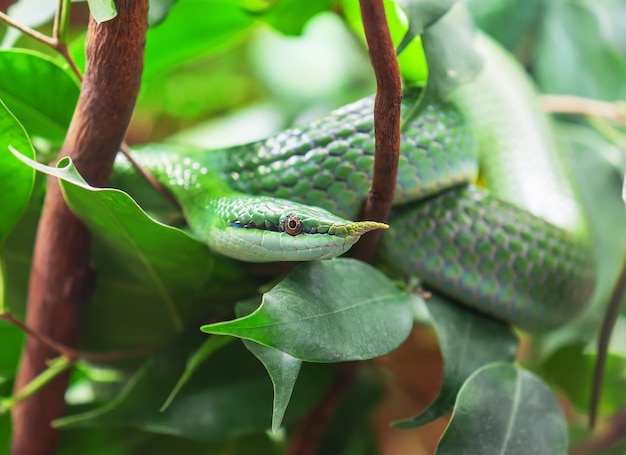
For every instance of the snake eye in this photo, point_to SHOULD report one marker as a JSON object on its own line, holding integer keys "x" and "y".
{"x": 293, "y": 225}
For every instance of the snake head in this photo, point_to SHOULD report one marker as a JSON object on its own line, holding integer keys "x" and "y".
{"x": 266, "y": 229}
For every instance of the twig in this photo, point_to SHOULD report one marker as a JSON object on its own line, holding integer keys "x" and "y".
{"x": 610, "y": 317}
{"x": 151, "y": 179}
{"x": 57, "y": 366}
{"x": 309, "y": 432}
{"x": 54, "y": 42}
{"x": 74, "y": 355}
{"x": 613, "y": 434}
{"x": 62, "y": 279}
{"x": 386, "y": 122}
{"x": 565, "y": 104}
{"x": 28, "y": 31}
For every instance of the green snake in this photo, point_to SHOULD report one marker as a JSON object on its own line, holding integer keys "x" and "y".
{"x": 517, "y": 252}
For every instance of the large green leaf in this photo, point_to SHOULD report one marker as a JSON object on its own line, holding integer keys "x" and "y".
{"x": 16, "y": 180}
{"x": 449, "y": 49}
{"x": 31, "y": 13}
{"x": 128, "y": 441}
{"x": 575, "y": 54}
{"x": 102, "y": 10}
{"x": 505, "y": 410}
{"x": 328, "y": 311}
{"x": 290, "y": 16}
{"x": 172, "y": 262}
{"x": 574, "y": 357}
{"x": 192, "y": 30}
{"x": 281, "y": 367}
{"x": 39, "y": 93}
{"x": 468, "y": 340}
{"x": 228, "y": 396}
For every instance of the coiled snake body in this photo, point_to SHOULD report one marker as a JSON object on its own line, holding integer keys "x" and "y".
{"x": 520, "y": 256}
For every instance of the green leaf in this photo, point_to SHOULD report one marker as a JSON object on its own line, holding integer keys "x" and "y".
{"x": 422, "y": 14}
{"x": 468, "y": 340}
{"x": 228, "y": 396}
{"x": 211, "y": 345}
{"x": 158, "y": 11}
{"x": 174, "y": 263}
{"x": 509, "y": 23}
{"x": 575, "y": 55}
{"x": 283, "y": 370}
{"x": 281, "y": 367}
{"x": 505, "y": 410}
{"x": 16, "y": 180}
{"x": 192, "y": 30}
{"x": 102, "y": 10}
{"x": 39, "y": 93}
{"x": 449, "y": 49}
{"x": 558, "y": 371}
{"x": 328, "y": 311}
{"x": 290, "y": 16}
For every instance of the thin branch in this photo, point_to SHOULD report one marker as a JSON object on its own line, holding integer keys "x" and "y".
{"x": 57, "y": 366}
{"x": 28, "y": 31}
{"x": 163, "y": 191}
{"x": 74, "y": 355}
{"x": 57, "y": 42}
{"x": 613, "y": 434}
{"x": 565, "y": 104}
{"x": 610, "y": 317}
{"x": 386, "y": 122}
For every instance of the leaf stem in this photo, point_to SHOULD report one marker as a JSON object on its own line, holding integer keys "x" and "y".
{"x": 61, "y": 21}
{"x": 57, "y": 41}
{"x": 51, "y": 42}
{"x": 55, "y": 368}
{"x": 73, "y": 354}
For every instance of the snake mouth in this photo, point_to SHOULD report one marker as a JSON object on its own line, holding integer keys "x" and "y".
{"x": 356, "y": 228}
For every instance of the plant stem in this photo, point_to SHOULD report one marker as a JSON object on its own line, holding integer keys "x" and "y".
{"x": 55, "y": 368}
{"x": 61, "y": 21}
{"x": 28, "y": 31}
{"x": 386, "y": 122}
{"x": 562, "y": 104}
{"x": 62, "y": 278}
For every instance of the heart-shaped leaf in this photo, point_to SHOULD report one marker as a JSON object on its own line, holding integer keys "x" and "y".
{"x": 506, "y": 410}
{"x": 328, "y": 311}
{"x": 16, "y": 180}
{"x": 174, "y": 263}
{"x": 468, "y": 340}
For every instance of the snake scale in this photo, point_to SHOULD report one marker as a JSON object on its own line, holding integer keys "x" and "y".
{"x": 516, "y": 251}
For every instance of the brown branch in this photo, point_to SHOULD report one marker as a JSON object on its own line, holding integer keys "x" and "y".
{"x": 310, "y": 430}
{"x": 610, "y": 317}
{"x": 61, "y": 275}
{"x": 386, "y": 122}
{"x": 613, "y": 434}
{"x": 74, "y": 355}
{"x": 565, "y": 104}
{"x": 380, "y": 199}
